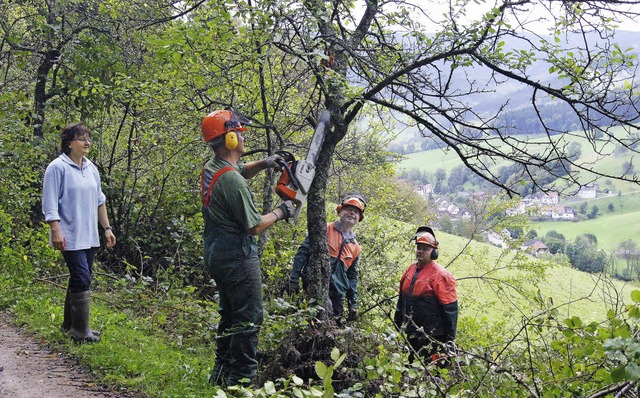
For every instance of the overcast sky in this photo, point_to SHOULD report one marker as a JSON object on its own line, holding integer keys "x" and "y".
{"x": 534, "y": 16}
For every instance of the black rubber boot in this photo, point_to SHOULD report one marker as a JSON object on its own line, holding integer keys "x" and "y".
{"x": 79, "y": 308}
{"x": 66, "y": 317}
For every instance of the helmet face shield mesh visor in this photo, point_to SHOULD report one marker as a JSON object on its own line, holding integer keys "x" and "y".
{"x": 221, "y": 122}
{"x": 235, "y": 123}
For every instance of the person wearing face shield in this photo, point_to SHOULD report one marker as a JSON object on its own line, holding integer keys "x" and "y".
{"x": 427, "y": 308}
{"x": 231, "y": 222}
{"x": 344, "y": 251}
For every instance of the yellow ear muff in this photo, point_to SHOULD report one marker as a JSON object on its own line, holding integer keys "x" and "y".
{"x": 231, "y": 140}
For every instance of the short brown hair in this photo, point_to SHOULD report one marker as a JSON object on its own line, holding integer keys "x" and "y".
{"x": 70, "y": 133}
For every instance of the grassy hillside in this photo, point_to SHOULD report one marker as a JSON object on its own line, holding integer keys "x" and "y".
{"x": 499, "y": 287}
{"x": 430, "y": 161}
{"x": 601, "y": 161}
{"x": 611, "y": 227}
{"x": 577, "y": 293}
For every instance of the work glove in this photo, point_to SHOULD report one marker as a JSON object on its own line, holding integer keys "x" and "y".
{"x": 294, "y": 287}
{"x": 353, "y": 314}
{"x": 450, "y": 348}
{"x": 275, "y": 162}
{"x": 287, "y": 208}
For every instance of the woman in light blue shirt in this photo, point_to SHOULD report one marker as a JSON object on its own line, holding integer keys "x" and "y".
{"x": 72, "y": 204}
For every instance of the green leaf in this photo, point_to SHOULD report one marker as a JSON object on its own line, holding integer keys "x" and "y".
{"x": 335, "y": 354}
{"x": 340, "y": 360}
{"x": 321, "y": 369}
{"x": 635, "y": 296}
{"x": 618, "y": 374}
{"x": 270, "y": 388}
{"x": 633, "y": 371}
{"x": 557, "y": 345}
{"x": 573, "y": 322}
{"x": 589, "y": 350}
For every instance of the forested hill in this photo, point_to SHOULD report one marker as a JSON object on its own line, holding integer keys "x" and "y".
{"x": 520, "y": 117}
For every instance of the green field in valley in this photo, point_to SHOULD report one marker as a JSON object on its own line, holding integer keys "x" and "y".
{"x": 430, "y": 161}
{"x": 604, "y": 160}
{"x": 575, "y": 292}
{"x": 610, "y": 227}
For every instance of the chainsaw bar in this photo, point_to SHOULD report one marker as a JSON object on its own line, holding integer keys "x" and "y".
{"x": 297, "y": 176}
{"x": 318, "y": 137}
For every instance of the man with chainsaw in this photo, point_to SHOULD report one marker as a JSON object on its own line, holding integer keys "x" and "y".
{"x": 344, "y": 251}
{"x": 427, "y": 309}
{"x": 231, "y": 220}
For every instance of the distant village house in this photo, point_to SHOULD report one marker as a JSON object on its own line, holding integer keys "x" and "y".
{"x": 588, "y": 191}
{"x": 535, "y": 247}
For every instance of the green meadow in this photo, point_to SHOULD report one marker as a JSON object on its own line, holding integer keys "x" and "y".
{"x": 430, "y": 161}
{"x": 611, "y": 226}
{"x": 601, "y": 158}
{"x": 526, "y": 286}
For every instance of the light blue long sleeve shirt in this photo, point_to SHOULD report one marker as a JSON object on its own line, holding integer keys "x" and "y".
{"x": 72, "y": 195}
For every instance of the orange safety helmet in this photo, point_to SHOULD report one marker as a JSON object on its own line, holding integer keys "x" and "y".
{"x": 356, "y": 201}
{"x": 427, "y": 238}
{"x": 221, "y": 122}
{"x": 426, "y": 235}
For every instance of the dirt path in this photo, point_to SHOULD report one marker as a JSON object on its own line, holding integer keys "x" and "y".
{"x": 28, "y": 370}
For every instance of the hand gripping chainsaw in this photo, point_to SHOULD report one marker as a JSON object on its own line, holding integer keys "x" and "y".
{"x": 297, "y": 175}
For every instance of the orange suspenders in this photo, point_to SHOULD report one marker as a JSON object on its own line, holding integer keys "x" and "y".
{"x": 206, "y": 195}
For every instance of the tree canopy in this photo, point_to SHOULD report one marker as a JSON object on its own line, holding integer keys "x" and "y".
{"x": 142, "y": 75}
{"x": 384, "y": 57}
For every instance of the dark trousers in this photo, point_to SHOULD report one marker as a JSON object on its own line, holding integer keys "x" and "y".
{"x": 240, "y": 286}
{"x": 80, "y": 264}
{"x": 337, "y": 302}
{"x": 423, "y": 345}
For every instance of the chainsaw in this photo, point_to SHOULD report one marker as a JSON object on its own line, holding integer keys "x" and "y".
{"x": 297, "y": 175}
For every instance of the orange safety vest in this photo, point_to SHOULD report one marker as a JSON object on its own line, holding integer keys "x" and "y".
{"x": 346, "y": 252}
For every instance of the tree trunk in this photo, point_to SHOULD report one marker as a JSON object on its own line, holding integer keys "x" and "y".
{"x": 320, "y": 270}
{"x": 40, "y": 96}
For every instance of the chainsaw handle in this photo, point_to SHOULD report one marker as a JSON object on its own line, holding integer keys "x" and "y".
{"x": 282, "y": 164}
{"x": 287, "y": 169}
{"x": 286, "y": 156}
